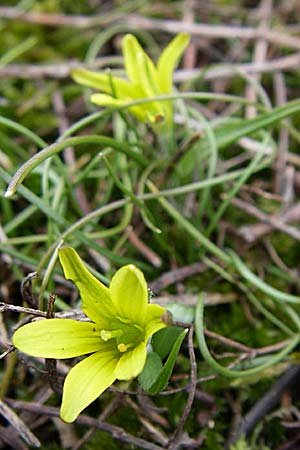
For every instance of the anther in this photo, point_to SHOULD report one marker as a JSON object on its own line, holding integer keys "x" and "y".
{"x": 122, "y": 348}
{"x": 106, "y": 335}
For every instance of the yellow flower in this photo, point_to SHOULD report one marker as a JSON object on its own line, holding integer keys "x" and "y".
{"x": 122, "y": 322}
{"x": 145, "y": 80}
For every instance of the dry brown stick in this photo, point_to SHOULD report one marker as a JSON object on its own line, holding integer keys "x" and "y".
{"x": 287, "y": 381}
{"x": 253, "y": 352}
{"x": 55, "y": 70}
{"x": 228, "y": 70}
{"x": 269, "y": 222}
{"x": 18, "y": 425}
{"x": 189, "y": 57}
{"x": 20, "y": 309}
{"x": 176, "y": 436}
{"x": 283, "y": 145}
{"x": 157, "y": 434}
{"x": 117, "y": 432}
{"x": 61, "y": 70}
{"x": 278, "y": 261}
{"x": 173, "y": 276}
{"x": 259, "y": 54}
{"x": 279, "y": 38}
{"x": 228, "y": 341}
{"x": 143, "y": 248}
{"x": 57, "y": 20}
{"x": 6, "y": 352}
{"x": 211, "y": 31}
{"x": 9, "y": 438}
{"x": 68, "y": 153}
{"x": 109, "y": 409}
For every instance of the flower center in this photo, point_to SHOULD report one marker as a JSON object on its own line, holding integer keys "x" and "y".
{"x": 126, "y": 335}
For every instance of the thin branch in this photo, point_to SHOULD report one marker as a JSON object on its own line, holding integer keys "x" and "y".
{"x": 57, "y": 20}
{"x": 277, "y": 221}
{"x": 172, "y": 26}
{"x": 176, "y": 436}
{"x": 266, "y": 403}
{"x": 21, "y": 309}
{"x": 108, "y": 410}
{"x": 55, "y": 70}
{"x": 59, "y": 70}
{"x": 282, "y": 39}
{"x": 252, "y": 352}
{"x": 18, "y": 425}
{"x": 117, "y": 432}
{"x": 9, "y": 350}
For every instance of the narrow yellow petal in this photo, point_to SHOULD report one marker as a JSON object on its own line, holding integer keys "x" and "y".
{"x": 139, "y": 67}
{"x": 96, "y": 80}
{"x": 131, "y": 363}
{"x": 58, "y": 338}
{"x": 96, "y": 302}
{"x": 86, "y": 381}
{"x": 129, "y": 294}
{"x": 168, "y": 61}
{"x": 154, "y": 320}
{"x": 106, "y": 100}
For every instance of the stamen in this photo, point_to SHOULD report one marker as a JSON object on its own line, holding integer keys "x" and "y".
{"x": 122, "y": 348}
{"x": 106, "y": 335}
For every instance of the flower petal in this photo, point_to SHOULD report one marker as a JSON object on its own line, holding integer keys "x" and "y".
{"x": 96, "y": 302}
{"x": 106, "y": 100}
{"x": 96, "y": 80}
{"x": 105, "y": 82}
{"x": 86, "y": 381}
{"x": 168, "y": 61}
{"x": 129, "y": 294}
{"x": 139, "y": 111}
{"x": 58, "y": 338}
{"x": 131, "y": 363}
{"x": 153, "y": 319}
{"x": 139, "y": 67}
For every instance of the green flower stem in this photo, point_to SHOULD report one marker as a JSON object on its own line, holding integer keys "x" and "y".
{"x": 19, "y": 256}
{"x": 49, "y": 151}
{"x": 212, "y": 162}
{"x": 53, "y": 149}
{"x": 47, "y": 276}
{"x": 126, "y": 189}
{"x": 8, "y": 374}
{"x": 19, "y": 218}
{"x": 186, "y": 225}
{"x": 23, "y": 131}
{"x": 252, "y": 167}
{"x": 18, "y": 50}
{"x": 216, "y": 251}
{"x": 277, "y": 295}
{"x": 96, "y": 116}
{"x": 251, "y": 297}
{"x": 122, "y": 225}
{"x": 39, "y": 204}
{"x": 224, "y": 137}
{"x": 82, "y": 237}
{"x": 30, "y": 239}
{"x": 199, "y": 329}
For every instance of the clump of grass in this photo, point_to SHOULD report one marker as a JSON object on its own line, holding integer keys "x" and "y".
{"x": 194, "y": 208}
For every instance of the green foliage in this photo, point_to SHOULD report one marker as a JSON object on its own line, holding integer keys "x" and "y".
{"x": 186, "y": 205}
{"x": 242, "y": 444}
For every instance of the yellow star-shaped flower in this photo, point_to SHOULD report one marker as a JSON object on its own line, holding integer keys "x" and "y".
{"x": 145, "y": 80}
{"x": 122, "y": 322}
